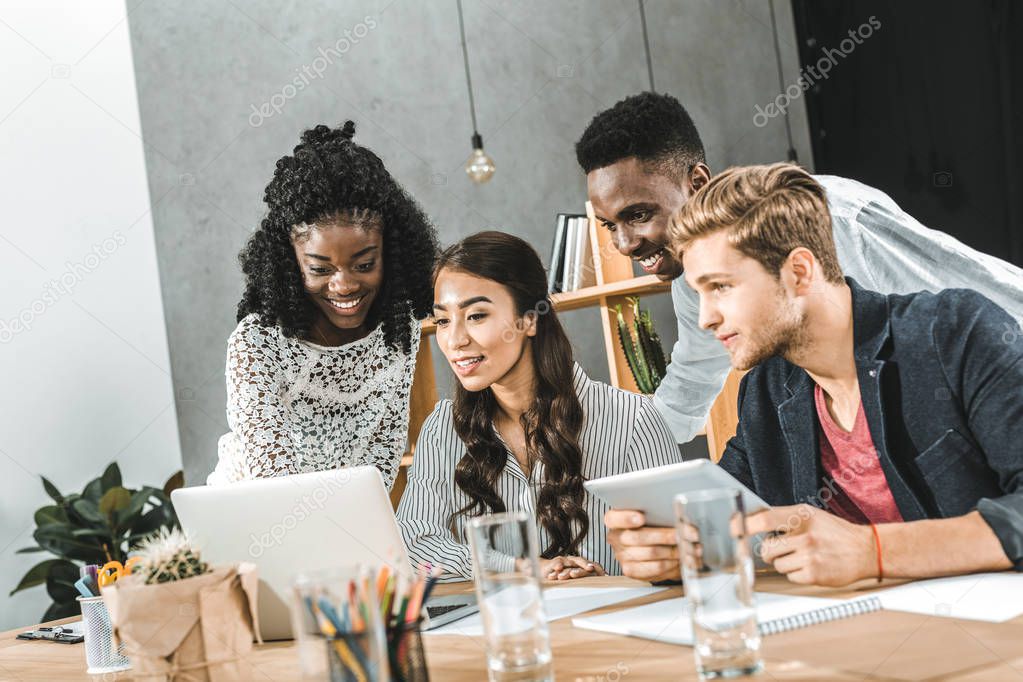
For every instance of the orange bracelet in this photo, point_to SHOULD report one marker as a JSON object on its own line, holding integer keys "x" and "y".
{"x": 880, "y": 564}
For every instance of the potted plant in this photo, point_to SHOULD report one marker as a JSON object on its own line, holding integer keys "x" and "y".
{"x": 641, "y": 346}
{"x": 100, "y": 524}
{"x": 180, "y": 618}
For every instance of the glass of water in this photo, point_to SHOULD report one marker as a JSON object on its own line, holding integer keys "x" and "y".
{"x": 717, "y": 571}
{"x": 506, "y": 571}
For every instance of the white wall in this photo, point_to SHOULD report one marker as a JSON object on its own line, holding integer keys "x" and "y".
{"x": 87, "y": 379}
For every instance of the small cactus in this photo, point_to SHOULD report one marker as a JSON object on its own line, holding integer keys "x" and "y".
{"x": 168, "y": 556}
{"x": 642, "y": 347}
{"x": 650, "y": 341}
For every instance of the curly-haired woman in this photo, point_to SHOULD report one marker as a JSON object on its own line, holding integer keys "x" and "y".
{"x": 319, "y": 369}
{"x": 526, "y": 427}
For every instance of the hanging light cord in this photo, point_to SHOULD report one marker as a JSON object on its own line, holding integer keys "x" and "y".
{"x": 781, "y": 84}
{"x": 646, "y": 47}
{"x": 468, "y": 78}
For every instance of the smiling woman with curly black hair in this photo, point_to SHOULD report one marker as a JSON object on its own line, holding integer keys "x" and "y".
{"x": 319, "y": 369}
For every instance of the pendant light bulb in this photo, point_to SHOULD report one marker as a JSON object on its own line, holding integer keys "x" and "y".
{"x": 480, "y": 167}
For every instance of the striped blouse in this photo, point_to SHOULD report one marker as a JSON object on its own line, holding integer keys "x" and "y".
{"x": 621, "y": 432}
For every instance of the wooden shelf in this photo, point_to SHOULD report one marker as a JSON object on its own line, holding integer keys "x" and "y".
{"x": 589, "y": 297}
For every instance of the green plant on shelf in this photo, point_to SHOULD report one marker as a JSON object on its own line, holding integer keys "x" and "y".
{"x": 642, "y": 346}
{"x": 100, "y": 524}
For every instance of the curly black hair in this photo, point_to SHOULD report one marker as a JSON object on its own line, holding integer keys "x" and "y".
{"x": 328, "y": 174}
{"x": 653, "y": 127}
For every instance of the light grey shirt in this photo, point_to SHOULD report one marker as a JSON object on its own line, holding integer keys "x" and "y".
{"x": 621, "y": 432}
{"x": 880, "y": 246}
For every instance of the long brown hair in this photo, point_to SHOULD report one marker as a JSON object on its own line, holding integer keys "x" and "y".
{"x": 553, "y": 422}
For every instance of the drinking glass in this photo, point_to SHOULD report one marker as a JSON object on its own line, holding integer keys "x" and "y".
{"x": 506, "y": 571}
{"x": 717, "y": 572}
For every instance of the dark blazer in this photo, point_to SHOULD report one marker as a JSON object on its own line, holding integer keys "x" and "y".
{"x": 941, "y": 379}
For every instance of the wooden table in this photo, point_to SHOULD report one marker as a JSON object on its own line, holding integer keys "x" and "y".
{"x": 886, "y": 645}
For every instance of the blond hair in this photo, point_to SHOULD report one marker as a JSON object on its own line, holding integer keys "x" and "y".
{"x": 767, "y": 211}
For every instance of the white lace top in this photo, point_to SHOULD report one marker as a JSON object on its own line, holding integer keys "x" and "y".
{"x": 294, "y": 406}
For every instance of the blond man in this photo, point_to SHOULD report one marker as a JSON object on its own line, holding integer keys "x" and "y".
{"x": 885, "y": 431}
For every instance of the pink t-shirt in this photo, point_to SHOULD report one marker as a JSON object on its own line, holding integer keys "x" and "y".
{"x": 849, "y": 459}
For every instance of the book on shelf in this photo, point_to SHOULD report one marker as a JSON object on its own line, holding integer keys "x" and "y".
{"x": 572, "y": 264}
{"x": 584, "y": 272}
{"x": 556, "y": 271}
{"x": 569, "y": 256}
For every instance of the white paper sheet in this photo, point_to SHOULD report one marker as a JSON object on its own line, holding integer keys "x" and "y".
{"x": 560, "y": 602}
{"x": 992, "y": 597}
{"x": 668, "y": 621}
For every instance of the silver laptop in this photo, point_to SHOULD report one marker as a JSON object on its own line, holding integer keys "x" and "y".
{"x": 297, "y": 524}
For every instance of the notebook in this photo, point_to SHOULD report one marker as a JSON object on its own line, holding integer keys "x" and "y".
{"x": 991, "y": 597}
{"x": 668, "y": 621}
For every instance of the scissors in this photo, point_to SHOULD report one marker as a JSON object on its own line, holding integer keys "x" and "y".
{"x": 112, "y": 571}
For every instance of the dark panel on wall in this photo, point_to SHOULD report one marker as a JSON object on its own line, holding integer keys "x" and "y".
{"x": 924, "y": 100}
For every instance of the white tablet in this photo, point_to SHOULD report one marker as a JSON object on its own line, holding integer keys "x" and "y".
{"x": 653, "y": 491}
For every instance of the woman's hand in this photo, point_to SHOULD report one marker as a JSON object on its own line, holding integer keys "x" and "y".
{"x": 568, "y": 567}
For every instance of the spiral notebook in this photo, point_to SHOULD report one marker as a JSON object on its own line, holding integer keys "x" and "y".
{"x": 668, "y": 621}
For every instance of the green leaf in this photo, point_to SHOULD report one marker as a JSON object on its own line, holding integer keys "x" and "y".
{"x": 60, "y": 582}
{"x": 111, "y": 478}
{"x": 88, "y": 510}
{"x": 131, "y": 513}
{"x": 57, "y": 538}
{"x": 36, "y": 575}
{"x": 73, "y": 517}
{"x": 153, "y": 520}
{"x": 59, "y": 610}
{"x": 52, "y": 491}
{"x": 29, "y": 550}
{"x": 91, "y": 532}
{"x": 93, "y": 490}
{"x": 50, "y": 514}
{"x": 177, "y": 480}
{"x": 114, "y": 500}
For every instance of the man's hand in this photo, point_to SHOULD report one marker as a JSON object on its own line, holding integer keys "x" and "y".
{"x": 568, "y": 568}
{"x": 814, "y": 547}
{"x": 645, "y": 552}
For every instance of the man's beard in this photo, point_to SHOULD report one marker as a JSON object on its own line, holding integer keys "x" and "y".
{"x": 787, "y": 332}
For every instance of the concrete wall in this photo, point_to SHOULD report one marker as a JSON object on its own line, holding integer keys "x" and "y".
{"x": 83, "y": 348}
{"x": 541, "y": 70}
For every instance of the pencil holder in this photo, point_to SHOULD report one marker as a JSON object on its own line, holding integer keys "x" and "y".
{"x": 338, "y": 626}
{"x": 100, "y": 654}
{"x": 406, "y": 655}
{"x": 349, "y": 659}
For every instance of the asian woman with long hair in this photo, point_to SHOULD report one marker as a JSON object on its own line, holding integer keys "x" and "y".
{"x": 526, "y": 427}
